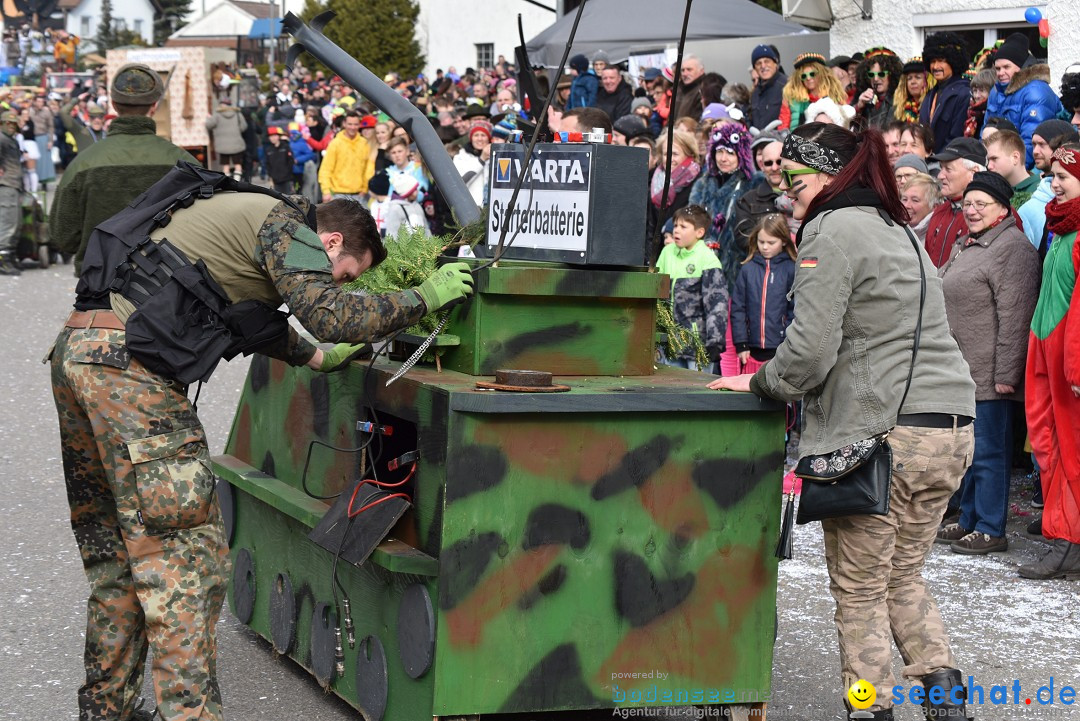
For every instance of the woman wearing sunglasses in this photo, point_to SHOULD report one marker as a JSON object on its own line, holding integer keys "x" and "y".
{"x": 847, "y": 356}
{"x": 810, "y": 82}
{"x": 876, "y": 78}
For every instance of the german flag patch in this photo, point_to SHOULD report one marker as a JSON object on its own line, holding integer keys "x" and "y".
{"x": 808, "y": 262}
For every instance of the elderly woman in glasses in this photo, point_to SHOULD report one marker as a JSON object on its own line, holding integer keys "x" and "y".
{"x": 861, "y": 306}
{"x": 991, "y": 284}
{"x": 811, "y": 82}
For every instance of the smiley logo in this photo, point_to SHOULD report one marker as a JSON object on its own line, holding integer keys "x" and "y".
{"x": 862, "y": 694}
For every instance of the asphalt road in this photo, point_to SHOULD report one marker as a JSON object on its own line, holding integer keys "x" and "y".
{"x": 1003, "y": 628}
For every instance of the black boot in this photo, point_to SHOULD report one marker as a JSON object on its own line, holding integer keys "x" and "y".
{"x": 1061, "y": 561}
{"x": 947, "y": 679}
{"x": 8, "y": 264}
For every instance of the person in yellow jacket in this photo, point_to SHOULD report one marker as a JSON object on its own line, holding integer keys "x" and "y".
{"x": 347, "y": 166}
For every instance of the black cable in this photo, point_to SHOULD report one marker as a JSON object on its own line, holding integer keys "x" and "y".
{"x": 529, "y": 151}
{"x": 660, "y": 220}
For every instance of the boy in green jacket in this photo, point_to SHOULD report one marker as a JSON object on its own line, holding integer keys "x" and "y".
{"x": 699, "y": 293}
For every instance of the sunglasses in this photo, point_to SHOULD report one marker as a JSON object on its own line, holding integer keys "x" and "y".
{"x": 807, "y": 76}
{"x": 769, "y": 163}
{"x": 878, "y": 74}
{"x": 787, "y": 177}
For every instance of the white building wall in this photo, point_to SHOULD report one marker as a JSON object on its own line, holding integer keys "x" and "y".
{"x": 902, "y": 25}
{"x": 134, "y": 12}
{"x": 449, "y": 30}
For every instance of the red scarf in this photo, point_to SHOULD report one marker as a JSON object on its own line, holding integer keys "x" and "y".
{"x": 1063, "y": 218}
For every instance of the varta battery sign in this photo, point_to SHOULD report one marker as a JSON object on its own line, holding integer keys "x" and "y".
{"x": 552, "y": 209}
{"x": 580, "y": 203}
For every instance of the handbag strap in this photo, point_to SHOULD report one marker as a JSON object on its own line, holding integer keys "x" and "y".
{"x": 918, "y": 323}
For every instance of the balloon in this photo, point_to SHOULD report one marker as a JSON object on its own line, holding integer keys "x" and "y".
{"x": 1044, "y": 28}
{"x": 1042, "y": 42}
{"x": 1033, "y": 16}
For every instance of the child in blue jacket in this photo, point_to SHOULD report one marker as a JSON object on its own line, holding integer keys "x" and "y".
{"x": 584, "y": 86}
{"x": 761, "y": 310}
{"x": 302, "y": 153}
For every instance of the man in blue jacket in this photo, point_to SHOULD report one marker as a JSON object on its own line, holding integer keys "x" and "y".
{"x": 944, "y": 109}
{"x": 1022, "y": 94}
{"x": 768, "y": 93}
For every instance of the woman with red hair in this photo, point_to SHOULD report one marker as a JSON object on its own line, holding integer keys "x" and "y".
{"x": 870, "y": 352}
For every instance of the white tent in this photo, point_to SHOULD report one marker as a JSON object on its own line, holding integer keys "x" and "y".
{"x": 621, "y": 27}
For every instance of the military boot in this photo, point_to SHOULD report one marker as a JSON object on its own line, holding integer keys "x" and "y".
{"x": 1061, "y": 561}
{"x": 947, "y": 679}
{"x": 8, "y": 264}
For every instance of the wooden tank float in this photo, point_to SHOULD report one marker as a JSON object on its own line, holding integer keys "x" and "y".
{"x": 608, "y": 546}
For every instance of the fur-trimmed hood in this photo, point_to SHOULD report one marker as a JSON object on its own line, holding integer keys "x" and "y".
{"x": 1038, "y": 71}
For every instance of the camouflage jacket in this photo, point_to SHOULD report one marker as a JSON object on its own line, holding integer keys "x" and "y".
{"x": 258, "y": 248}
{"x": 105, "y": 177}
{"x": 10, "y": 162}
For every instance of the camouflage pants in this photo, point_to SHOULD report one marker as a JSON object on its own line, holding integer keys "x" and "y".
{"x": 148, "y": 526}
{"x": 875, "y": 564}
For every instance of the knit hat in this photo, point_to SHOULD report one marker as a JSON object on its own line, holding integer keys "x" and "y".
{"x": 1053, "y": 128}
{"x": 644, "y": 103}
{"x": 840, "y": 114}
{"x": 716, "y": 111}
{"x": 911, "y": 160}
{"x": 966, "y": 148}
{"x": 579, "y": 62}
{"x": 947, "y": 46}
{"x": 274, "y": 130}
{"x": 379, "y": 184}
{"x": 367, "y": 121}
{"x": 480, "y": 126}
{"x": 502, "y": 129}
{"x": 764, "y": 51}
{"x": 808, "y": 58}
{"x": 600, "y": 56}
{"x": 1069, "y": 160}
{"x": 1015, "y": 49}
{"x": 915, "y": 65}
{"x": 631, "y": 126}
{"x": 993, "y": 185}
{"x": 733, "y": 137}
{"x": 136, "y": 84}
{"x": 404, "y": 185}
{"x": 766, "y": 137}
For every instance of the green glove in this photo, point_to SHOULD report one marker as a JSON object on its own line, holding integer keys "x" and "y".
{"x": 341, "y": 355}
{"x": 449, "y": 284}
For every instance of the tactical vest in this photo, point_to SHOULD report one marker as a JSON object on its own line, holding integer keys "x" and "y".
{"x": 184, "y": 322}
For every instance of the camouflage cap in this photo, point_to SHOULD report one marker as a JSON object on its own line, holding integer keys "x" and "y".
{"x": 94, "y": 110}
{"x": 9, "y": 117}
{"x": 136, "y": 84}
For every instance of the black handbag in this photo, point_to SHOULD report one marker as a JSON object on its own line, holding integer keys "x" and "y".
{"x": 855, "y": 479}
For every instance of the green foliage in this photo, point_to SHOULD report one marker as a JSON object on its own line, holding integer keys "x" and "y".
{"x": 679, "y": 337}
{"x": 773, "y": 5}
{"x": 378, "y": 33}
{"x": 410, "y": 259}
{"x": 170, "y": 19}
{"x": 105, "y": 38}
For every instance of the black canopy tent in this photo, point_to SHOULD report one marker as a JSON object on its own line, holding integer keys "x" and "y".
{"x": 618, "y": 26}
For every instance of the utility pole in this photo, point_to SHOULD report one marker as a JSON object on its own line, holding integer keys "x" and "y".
{"x": 273, "y": 42}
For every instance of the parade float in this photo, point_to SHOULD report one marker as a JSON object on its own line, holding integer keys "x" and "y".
{"x": 542, "y": 523}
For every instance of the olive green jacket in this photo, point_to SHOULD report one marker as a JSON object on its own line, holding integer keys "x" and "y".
{"x": 105, "y": 177}
{"x": 847, "y": 353}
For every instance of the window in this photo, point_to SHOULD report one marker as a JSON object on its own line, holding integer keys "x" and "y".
{"x": 485, "y": 55}
{"x": 84, "y": 26}
{"x": 138, "y": 26}
{"x": 119, "y": 25}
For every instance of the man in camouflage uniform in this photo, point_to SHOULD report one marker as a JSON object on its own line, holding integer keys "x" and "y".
{"x": 106, "y": 176}
{"x": 135, "y": 456}
{"x": 10, "y": 187}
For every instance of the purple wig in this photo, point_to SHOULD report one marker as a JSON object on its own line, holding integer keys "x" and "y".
{"x": 734, "y": 137}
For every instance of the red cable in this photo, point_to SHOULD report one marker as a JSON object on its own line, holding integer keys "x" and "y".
{"x": 380, "y": 485}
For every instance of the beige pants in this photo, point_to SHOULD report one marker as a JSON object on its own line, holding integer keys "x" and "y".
{"x": 875, "y": 564}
